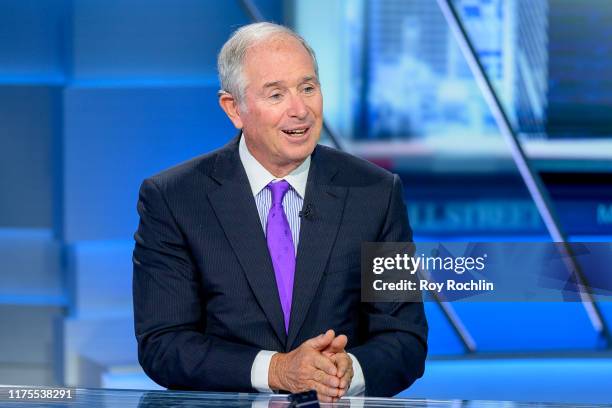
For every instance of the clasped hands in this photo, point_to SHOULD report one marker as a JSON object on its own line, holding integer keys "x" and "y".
{"x": 319, "y": 364}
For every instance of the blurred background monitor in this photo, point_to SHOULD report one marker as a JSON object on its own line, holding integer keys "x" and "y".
{"x": 400, "y": 92}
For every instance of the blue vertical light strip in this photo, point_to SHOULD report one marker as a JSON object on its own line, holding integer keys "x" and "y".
{"x": 68, "y": 65}
{"x": 66, "y": 38}
{"x": 68, "y": 41}
{"x": 65, "y": 34}
{"x": 363, "y": 110}
{"x": 532, "y": 180}
{"x": 251, "y": 9}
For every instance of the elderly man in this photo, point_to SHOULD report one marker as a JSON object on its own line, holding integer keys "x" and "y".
{"x": 246, "y": 264}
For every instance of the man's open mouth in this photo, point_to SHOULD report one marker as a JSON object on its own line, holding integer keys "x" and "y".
{"x": 296, "y": 132}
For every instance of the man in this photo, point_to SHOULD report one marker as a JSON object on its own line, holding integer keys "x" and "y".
{"x": 246, "y": 265}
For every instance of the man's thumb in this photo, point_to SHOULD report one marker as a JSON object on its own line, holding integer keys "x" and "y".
{"x": 322, "y": 340}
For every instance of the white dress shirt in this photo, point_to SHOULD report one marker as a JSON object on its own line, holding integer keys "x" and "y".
{"x": 293, "y": 200}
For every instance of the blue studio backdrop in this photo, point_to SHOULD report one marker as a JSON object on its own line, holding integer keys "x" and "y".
{"x": 97, "y": 95}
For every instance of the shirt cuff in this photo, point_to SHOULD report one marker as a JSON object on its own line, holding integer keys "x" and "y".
{"x": 260, "y": 369}
{"x": 357, "y": 387}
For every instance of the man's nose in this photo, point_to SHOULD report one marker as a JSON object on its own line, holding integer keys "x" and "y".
{"x": 297, "y": 107}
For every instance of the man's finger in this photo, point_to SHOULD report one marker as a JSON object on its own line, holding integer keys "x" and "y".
{"x": 343, "y": 362}
{"x": 325, "y": 364}
{"x": 326, "y": 379}
{"x": 338, "y": 344}
{"x": 345, "y": 380}
{"x": 324, "y": 393}
{"x": 324, "y": 398}
{"x": 322, "y": 341}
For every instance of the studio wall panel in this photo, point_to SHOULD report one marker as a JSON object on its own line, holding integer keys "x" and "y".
{"x": 30, "y": 265}
{"x": 33, "y": 40}
{"x": 528, "y": 326}
{"x": 106, "y": 342}
{"x": 103, "y": 274}
{"x": 151, "y": 38}
{"x": 30, "y": 123}
{"x": 39, "y": 374}
{"x": 28, "y": 335}
{"x": 571, "y": 381}
{"x": 114, "y": 138}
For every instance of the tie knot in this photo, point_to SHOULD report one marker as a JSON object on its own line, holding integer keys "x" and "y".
{"x": 278, "y": 189}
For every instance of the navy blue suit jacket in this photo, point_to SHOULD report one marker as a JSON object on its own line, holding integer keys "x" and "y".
{"x": 205, "y": 296}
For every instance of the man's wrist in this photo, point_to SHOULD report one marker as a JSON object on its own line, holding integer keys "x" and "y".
{"x": 357, "y": 384}
{"x": 273, "y": 373}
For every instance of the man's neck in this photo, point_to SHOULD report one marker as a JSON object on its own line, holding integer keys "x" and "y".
{"x": 281, "y": 171}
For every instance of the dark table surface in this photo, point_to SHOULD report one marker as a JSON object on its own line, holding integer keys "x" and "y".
{"x": 107, "y": 398}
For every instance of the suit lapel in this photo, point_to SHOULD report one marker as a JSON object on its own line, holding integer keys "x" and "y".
{"x": 236, "y": 210}
{"x": 317, "y": 236}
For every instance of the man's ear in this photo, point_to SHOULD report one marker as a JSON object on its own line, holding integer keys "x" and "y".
{"x": 230, "y": 106}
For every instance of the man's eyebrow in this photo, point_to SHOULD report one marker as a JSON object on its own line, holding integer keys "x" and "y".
{"x": 310, "y": 78}
{"x": 274, "y": 84}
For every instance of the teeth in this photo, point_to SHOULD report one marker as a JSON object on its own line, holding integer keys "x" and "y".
{"x": 295, "y": 132}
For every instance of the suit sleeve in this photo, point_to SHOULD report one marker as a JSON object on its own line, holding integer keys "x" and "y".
{"x": 169, "y": 310}
{"x": 393, "y": 356}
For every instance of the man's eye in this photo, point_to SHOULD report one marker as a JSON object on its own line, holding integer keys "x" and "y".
{"x": 309, "y": 89}
{"x": 276, "y": 96}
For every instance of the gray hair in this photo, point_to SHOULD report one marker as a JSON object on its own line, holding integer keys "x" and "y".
{"x": 231, "y": 57}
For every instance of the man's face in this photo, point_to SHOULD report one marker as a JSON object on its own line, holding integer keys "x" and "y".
{"x": 283, "y": 116}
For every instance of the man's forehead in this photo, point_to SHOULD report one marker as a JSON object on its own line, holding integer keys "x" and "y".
{"x": 276, "y": 48}
{"x": 277, "y": 42}
{"x": 278, "y": 62}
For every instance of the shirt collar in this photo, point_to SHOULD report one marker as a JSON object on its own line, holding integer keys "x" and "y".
{"x": 259, "y": 177}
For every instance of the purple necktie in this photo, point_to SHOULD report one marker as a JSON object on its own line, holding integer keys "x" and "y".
{"x": 280, "y": 245}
